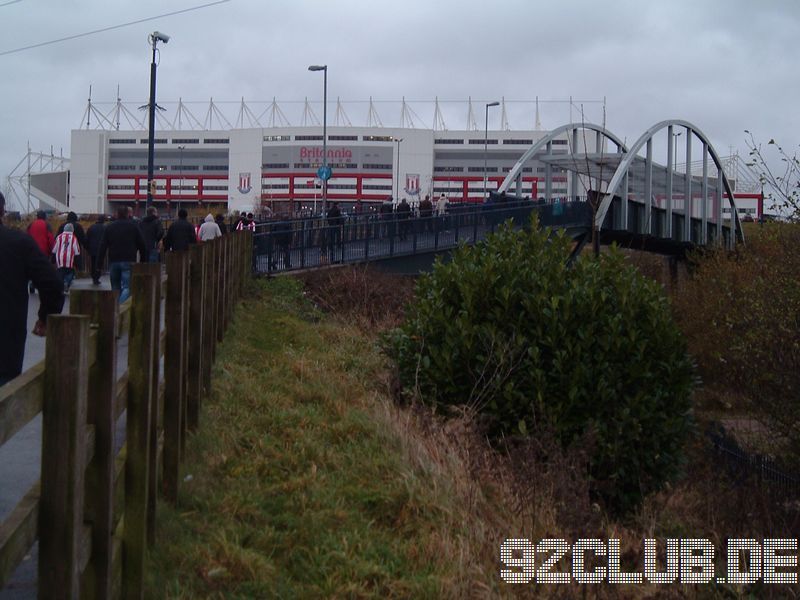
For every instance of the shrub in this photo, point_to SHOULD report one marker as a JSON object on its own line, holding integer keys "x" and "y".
{"x": 511, "y": 330}
{"x": 740, "y": 312}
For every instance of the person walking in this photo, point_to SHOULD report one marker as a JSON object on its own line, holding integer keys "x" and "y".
{"x": 41, "y": 233}
{"x": 21, "y": 261}
{"x": 209, "y": 230}
{"x": 93, "y": 239}
{"x": 180, "y": 234}
{"x": 246, "y": 222}
{"x": 441, "y": 210}
{"x": 220, "y": 221}
{"x": 80, "y": 235}
{"x": 152, "y": 232}
{"x": 334, "y": 221}
{"x": 403, "y": 218}
{"x": 123, "y": 240}
{"x": 425, "y": 213}
{"x": 66, "y": 250}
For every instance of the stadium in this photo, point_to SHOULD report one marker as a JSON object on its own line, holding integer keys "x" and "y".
{"x": 258, "y": 159}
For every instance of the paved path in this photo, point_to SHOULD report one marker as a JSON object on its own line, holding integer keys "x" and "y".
{"x": 20, "y": 457}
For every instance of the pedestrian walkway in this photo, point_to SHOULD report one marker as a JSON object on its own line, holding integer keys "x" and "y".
{"x": 20, "y": 457}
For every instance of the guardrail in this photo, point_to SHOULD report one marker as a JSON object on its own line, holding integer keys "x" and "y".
{"x": 307, "y": 243}
{"x": 94, "y": 510}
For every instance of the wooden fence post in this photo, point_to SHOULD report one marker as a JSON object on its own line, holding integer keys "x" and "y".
{"x": 220, "y": 283}
{"x": 154, "y": 271}
{"x": 221, "y": 323}
{"x": 208, "y": 316}
{"x": 174, "y": 360}
{"x": 61, "y": 529}
{"x": 143, "y": 335}
{"x": 214, "y": 284}
{"x": 196, "y": 358}
{"x": 101, "y": 306}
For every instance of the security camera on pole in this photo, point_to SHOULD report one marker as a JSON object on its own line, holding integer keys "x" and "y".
{"x": 155, "y": 37}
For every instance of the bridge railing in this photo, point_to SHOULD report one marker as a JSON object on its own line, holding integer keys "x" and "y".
{"x": 307, "y": 243}
{"x": 93, "y": 510}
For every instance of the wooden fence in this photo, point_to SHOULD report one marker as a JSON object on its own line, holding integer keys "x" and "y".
{"x": 94, "y": 510}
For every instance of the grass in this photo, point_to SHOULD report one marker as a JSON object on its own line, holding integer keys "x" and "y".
{"x": 301, "y": 483}
{"x": 307, "y": 481}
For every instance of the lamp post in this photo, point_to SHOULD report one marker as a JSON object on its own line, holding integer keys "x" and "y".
{"x": 180, "y": 174}
{"x": 154, "y": 38}
{"x": 397, "y": 174}
{"x": 675, "y": 150}
{"x": 324, "y": 69}
{"x": 486, "y": 146}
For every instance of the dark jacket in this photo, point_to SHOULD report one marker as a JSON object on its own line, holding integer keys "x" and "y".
{"x": 93, "y": 238}
{"x": 22, "y": 261}
{"x": 179, "y": 235}
{"x": 123, "y": 240}
{"x": 152, "y": 232}
{"x": 223, "y": 228}
{"x": 335, "y": 217}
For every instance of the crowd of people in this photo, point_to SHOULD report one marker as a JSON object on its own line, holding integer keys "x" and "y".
{"x": 39, "y": 260}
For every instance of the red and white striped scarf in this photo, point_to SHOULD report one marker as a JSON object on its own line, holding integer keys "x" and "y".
{"x": 66, "y": 249}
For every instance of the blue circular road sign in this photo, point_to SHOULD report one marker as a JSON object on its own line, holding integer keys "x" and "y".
{"x": 324, "y": 172}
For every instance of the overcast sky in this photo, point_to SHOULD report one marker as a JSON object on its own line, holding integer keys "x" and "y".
{"x": 724, "y": 65}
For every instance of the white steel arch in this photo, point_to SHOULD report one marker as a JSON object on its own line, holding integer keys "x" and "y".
{"x": 547, "y": 142}
{"x": 646, "y": 140}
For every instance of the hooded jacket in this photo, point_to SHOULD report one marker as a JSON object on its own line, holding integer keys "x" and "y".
{"x": 209, "y": 230}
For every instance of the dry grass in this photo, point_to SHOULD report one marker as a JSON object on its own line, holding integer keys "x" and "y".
{"x": 310, "y": 481}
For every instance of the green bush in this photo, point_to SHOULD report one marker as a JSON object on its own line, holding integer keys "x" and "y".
{"x": 511, "y": 330}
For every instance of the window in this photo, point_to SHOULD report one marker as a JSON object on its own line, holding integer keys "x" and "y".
{"x": 377, "y": 138}
{"x": 185, "y": 167}
{"x": 376, "y": 187}
{"x": 218, "y": 188}
{"x": 341, "y": 186}
{"x": 480, "y": 169}
{"x": 155, "y": 141}
{"x": 302, "y": 165}
{"x": 489, "y": 142}
{"x": 448, "y": 141}
{"x": 518, "y": 142}
{"x": 185, "y": 140}
{"x": 559, "y": 142}
{"x": 448, "y": 169}
{"x": 215, "y": 167}
{"x": 343, "y": 138}
{"x": 120, "y": 187}
{"x": 277, "y": 138}
{"x": 216, "y": 141}
{"x": 275, "y": 166}
{"x": 308, "y": 138}
{"x": 527, "y": 169}
{"x": 122, "y": 167}
{"x": 121, "y": 141}
{"x": 343, "y": 165}
{"x": 275, "y": 186}
{"x": 377, "y": 166}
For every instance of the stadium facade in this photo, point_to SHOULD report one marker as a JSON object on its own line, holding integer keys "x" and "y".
{"x": 245, "y": 169}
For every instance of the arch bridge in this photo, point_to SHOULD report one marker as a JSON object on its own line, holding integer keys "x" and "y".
{"x": 635, "y": 196}
{"x": 638, "y": 193}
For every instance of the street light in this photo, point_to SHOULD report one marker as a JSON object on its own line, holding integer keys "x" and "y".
{"x": 180, "y": 174}
{"x": 154, "y": 38}
{"x": 397, "y": 174}
{"x": 675, "y": 150}
{"x": 324, "y": 69}
{"x": 486, "y": 146}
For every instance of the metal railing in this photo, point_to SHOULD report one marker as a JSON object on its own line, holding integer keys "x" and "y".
{"x": 307, "y": 243}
